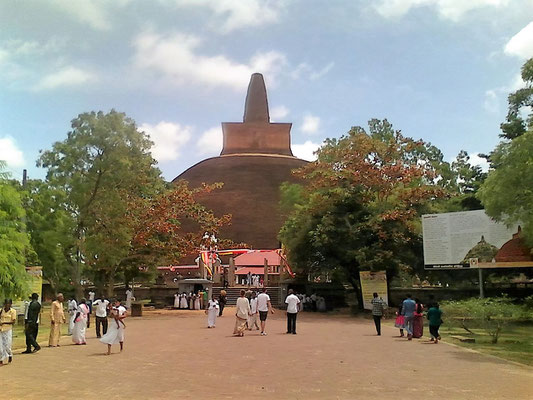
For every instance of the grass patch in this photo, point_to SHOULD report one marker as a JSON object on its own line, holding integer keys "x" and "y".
{"x": 19, "y": 338}
{"x": 515, "y": 343}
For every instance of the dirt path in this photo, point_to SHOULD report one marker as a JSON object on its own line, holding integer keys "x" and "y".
{"x": 174, "y": 356}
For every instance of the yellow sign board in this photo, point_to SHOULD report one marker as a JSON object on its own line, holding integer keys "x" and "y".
{"x": 35, "y": 285}
{"x": 373, "y": 282}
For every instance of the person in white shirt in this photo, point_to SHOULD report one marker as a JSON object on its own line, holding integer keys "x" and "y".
{"x": 72, "y": 307}
{"x": 115, "y": 334}
{"x": 129, "y": 298}
{"x": 91, "y": 300}
{"x": 241, "y": 314}
{"x": 293, "y": 306}
{"x": 252, "y": 319}
{"x": 100, "y": 306}
{"x": 264, "y": 306}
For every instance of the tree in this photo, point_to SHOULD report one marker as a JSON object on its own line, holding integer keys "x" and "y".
{"x": 102, "y": 166}
{"x": 506, "y": 193}
{"x": 51, "y": 227}
{"x": 122, "y": 218}
{"x": 519, "y": 101}
{"x": 14, "y": 241}
{"x": 361, "y": 200}
{"x": 469, "y": 179}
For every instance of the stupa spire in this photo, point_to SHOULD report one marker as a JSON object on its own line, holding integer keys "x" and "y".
{"x": 256, "y": 134}
{"x": 256, "y": 105}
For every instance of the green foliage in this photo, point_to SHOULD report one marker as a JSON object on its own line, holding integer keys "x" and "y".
{"x": 490, "y": 314}
{"x": 360, "y": 205}
{"x": 507, "y": 193}
{"x": 102, "y": 167}
{"x": 519, "y": 101}
{"x": 52, "y": 228}
{"x": 14, "y": 241}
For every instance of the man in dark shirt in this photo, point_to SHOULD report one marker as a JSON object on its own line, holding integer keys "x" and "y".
{"x": 32, "y": 325}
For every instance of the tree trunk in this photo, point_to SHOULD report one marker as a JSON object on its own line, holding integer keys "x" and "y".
{"x": 358, "y": 293}
{"x": 111, "y": 286}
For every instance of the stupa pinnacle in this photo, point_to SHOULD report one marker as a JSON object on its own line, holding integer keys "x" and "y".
{"x": 255, "y": 160}
{"x": 256, "y": 134}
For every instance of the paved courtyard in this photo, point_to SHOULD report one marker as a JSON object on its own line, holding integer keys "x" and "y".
{"x": 172, "y": 355}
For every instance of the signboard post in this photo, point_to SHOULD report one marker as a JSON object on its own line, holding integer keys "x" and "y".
{"x": 373, "y": 282}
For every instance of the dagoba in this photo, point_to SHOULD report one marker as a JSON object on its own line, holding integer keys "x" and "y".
{"x": 515, "y": 250}
{"x": 256, "y": 159}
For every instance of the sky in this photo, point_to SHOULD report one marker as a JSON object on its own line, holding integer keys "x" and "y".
{"x": 439, "y": 70}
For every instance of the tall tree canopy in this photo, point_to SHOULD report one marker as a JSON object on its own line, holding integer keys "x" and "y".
{"x": 360, "y": 203}
{"x": 507, "y": 192}
{"x": 52, "y": 230}
{"x": 125, "y": 219}
{"x": 520, "y": 103}
{"x": 14, "y": 241}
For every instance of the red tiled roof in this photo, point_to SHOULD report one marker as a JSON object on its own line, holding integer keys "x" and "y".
{"x": 174, "y": 267}
{"x": 252, "y": 270}
{"x": 257, "y": 259}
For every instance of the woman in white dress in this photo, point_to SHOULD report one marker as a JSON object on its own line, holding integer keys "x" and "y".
{"x": 80, "y": 323}
{"x": 212, "y": 312}
{"x": 197, "y": 302}
{"x": 176, "y": 300}
{"x": 183, "y": 301}
{"x": 115, "y": 332}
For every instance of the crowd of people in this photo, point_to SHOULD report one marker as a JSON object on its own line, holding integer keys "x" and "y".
{"x": 410, "y": 317}
{"x": 251, "y": 313}
{"x": 109, "y": 316}
{"x": 192, "y": 301}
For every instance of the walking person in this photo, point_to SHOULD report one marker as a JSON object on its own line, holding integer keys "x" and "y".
{"x": 115, "y": 333}
{"x": 80, "y": 323}
{"x": 378, "y": 305}
{"x": 241, "y": 314}
{"x": 418, "y": 320}
{"x": 100, "y": 309}
{"x": 8, "y": 317}
{"x": 264, "y": 306}
{"x": 400, "y": 320}
{"x": 129, "y": 298}
{"x": 435, "y": 321}
{"x": 72, "y": 308}
{"x": 91, "y": 301}
{"x": 31, "y": 326}
{"x": 252, "y": 318}
{"x": 57, "y": 319}
{"x": 212, "y": 312}
{"x": 408, "y": 311}
{"x": 293, "y": 306}
{"x": 222, "y": 302}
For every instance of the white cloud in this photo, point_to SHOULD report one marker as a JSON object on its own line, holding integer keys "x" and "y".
{"x": 210, "y": 141}
{"x": 475, "y": 159}
{"x": 176, "y": 59}
{"x": 310, "y": 124}
{"x": 304, "y": 70}
{"x": 67, "y": 76}
{"x": 449, "y": 9}
{"x": 91, "y": 12}
{"x": 278, "y": 113}
{"x": 10, "y": 153}
{"x": 305, "y": 151}
{"x": 491, "y": 101}
{"x": 521, "y": 44}
{"x": 493, "y": 97}
{"x": 169, "y": 139}
{"x": 319, "y": 74}
{"x": 237, "y": 14}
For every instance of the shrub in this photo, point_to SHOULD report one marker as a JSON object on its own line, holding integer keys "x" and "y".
{"x": 491, "y": 314}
